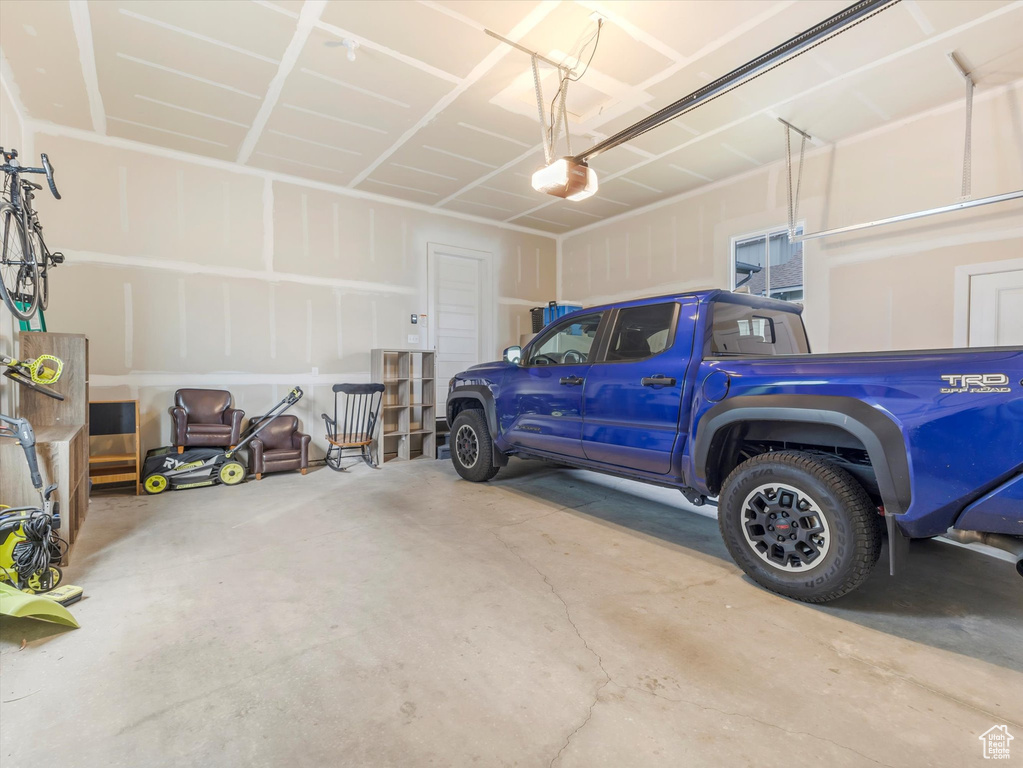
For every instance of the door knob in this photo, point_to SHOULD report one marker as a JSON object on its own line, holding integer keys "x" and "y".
{"x": 660, "y": 380}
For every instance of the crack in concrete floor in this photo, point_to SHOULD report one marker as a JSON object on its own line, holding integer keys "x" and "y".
{"x": 608, "y": 680}
{"x": 575, "y": 627}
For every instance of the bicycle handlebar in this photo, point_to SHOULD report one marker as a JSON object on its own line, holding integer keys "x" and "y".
{"x": 46, "y": 170}
{"x": 49, "y": 175}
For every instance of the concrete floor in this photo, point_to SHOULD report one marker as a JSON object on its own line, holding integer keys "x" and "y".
{"x": 550, "y": 618}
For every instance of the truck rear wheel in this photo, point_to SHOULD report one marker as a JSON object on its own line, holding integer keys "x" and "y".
{"x": 799, "y": 526}
{"x": 472, "y": 448}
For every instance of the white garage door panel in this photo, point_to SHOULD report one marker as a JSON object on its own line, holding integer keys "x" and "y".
{"x": 1010, "y": 317}
{"x": 457, "y": 321}
{"x": 450, "y": 345}
{"x": 996, "y": 309}
{"x": 457, "y": 297}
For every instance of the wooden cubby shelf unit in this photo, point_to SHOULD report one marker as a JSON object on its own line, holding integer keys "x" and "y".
{"x": 409, "y": 409}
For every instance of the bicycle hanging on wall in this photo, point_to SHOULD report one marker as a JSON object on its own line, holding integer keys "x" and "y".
{"x": 24, "y": 258}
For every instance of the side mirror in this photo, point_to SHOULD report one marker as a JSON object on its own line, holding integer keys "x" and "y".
{"x": 513, "y": 354}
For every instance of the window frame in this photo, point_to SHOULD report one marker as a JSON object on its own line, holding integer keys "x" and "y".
{"x": 605, "y": 341}
{"x": 766, "y": 233}
{"x": 543, "y": 336}
{"x": 707, "y": 318}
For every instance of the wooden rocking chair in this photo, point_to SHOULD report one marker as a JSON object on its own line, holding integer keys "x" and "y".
{"x": 356, "y": 413}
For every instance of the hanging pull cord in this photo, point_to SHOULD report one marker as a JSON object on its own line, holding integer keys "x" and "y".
{"x": 564, "y": 117}
{"x": 544, "y": 134}
{"x": 793, "y": 202}
{"x": 559, "y": 119}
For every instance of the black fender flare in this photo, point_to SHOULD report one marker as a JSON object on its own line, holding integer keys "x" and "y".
{"x": 485, "y": 397}
{"x": 879, "y": 434}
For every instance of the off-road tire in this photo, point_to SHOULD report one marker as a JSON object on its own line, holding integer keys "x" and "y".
{"x": 473, "y": 422}
{"x": 855, "y": 528}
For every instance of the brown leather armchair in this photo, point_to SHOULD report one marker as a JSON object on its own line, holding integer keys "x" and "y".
{"x": 279, "y": 447}
{"x": 204, "y": 417}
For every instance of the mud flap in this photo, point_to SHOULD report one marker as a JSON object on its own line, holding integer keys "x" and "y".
{"x": 898, "y": 543}
{"x": 500, "y": 457}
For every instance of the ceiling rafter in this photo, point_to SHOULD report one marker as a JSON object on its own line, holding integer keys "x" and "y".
{"x": 307, "y": 18}
{"x": 82, "y": 25}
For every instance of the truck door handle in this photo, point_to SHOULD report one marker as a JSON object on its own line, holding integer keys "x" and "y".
{"x": 572, "y": 381}
{"x": 658, "y": 381}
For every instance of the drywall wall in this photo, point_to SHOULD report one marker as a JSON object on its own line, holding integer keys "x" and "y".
{"x": 187, "y": 272}
{"x": 885, "y": 288}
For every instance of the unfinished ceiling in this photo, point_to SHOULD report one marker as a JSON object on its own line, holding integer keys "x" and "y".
{"x": 436, "y": 112}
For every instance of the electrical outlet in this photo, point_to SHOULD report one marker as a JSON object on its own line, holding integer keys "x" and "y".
{"x": 413, "y": 338}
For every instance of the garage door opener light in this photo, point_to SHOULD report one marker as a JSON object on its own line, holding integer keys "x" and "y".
{"x": 566, "y": 178}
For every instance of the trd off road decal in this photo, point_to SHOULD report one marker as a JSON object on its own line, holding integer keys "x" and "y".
{"x": 975, "y": 383}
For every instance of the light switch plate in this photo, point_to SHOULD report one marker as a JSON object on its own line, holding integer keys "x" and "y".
{"x": 413, "y": 338}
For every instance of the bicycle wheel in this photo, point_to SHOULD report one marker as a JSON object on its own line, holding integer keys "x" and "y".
{"x": 19, "y": 272}
{"x": 39, "y": 249}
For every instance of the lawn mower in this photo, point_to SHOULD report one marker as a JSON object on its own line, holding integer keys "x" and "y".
{"x": 29, "y": 545}
{"x": 165, "y": 468}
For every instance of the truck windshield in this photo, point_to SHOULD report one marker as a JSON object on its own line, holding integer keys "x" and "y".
{"x": 736, "y": 329}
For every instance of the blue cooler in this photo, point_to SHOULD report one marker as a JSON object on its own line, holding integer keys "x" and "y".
{"x": 544, "y": 316}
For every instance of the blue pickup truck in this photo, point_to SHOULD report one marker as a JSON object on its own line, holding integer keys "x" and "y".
{"x": 813, "y": 459}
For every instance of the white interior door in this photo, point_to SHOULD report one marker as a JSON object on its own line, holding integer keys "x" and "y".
{"x": 996, "y": 309}
{"x": 455, "y": 286}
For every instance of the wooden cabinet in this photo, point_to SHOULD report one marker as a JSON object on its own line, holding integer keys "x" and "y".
{"x": 62, "y": 454}
{"x": 61, "y": 427}
{"x": 115, "y": 454}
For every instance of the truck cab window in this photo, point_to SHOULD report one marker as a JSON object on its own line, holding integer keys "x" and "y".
{"x": 641, "y": 332}
{"x": 568, "y": 343}
{"x": 736, "y": 329}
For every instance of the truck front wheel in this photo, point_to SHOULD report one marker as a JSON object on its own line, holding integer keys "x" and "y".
{"x": 472, "y": 448}
{"x": 799, "y": 526}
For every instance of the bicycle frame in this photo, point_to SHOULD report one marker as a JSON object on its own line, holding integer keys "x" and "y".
{"x": 21, "y": 202}
{"x": 18, "y": 193}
